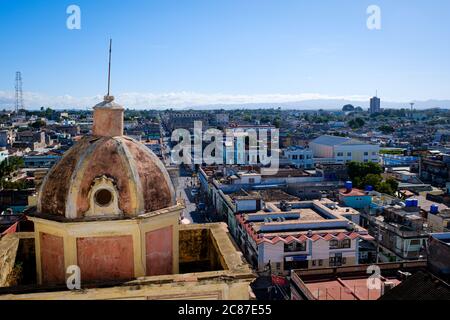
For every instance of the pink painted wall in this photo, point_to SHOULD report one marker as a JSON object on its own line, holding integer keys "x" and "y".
{"x": 106, "y": 258}
{"x": 159, "y": 252}
{"x": 52, "y": 259}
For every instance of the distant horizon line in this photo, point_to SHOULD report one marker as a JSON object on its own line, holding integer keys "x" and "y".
{"x": 184, "y": 100}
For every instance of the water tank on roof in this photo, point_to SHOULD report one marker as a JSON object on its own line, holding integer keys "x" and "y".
{"x": 415, "y": 203}
{"x": 369, "y": 188}
{"x": 349, "y": 185}
{"x": 409, "y": 203}
{"x": 434, "y": 209}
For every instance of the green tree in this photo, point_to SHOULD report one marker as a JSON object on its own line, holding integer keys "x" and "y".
{"x": 373, "y": 180}
{"x": 356, "y": 123}
{"x": 393, "y": 183}
{"x": 277, "y": 122}
{"x": 10, "y": 165}
{"x": 386, "y": 129}
{"x": 385, "y": 187}
{"x": 38, "y": 124}
{"x": 361, "y": 170}
{"x": 348, "y": 108}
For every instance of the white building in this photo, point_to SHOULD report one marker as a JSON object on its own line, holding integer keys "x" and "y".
{"x": 304, "y": 235}
{"x": 342, "y": 150}
{"x": 300, "y": 157}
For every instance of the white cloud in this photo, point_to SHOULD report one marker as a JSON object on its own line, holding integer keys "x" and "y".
{"x": 164, "y": 100}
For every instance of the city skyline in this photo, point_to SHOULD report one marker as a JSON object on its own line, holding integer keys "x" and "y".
{"x": 205, "y": 54}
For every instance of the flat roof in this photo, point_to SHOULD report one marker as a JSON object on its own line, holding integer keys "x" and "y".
{"x": 345, "y": 289}
{"x": 352, "y": 193}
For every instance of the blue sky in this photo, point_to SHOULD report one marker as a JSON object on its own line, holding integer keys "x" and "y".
{"x": 207, "y": 51}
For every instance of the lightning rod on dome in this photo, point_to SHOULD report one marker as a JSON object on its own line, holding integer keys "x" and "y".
{"x": 109, "y": 68}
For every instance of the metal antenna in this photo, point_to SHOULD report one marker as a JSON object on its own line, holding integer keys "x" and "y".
{"x": 109, "y": 67}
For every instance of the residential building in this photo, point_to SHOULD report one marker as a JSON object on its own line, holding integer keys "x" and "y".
{"x": 354, "y": 198}
{"x": 290, "y": 235}
{"x": 300, "y": 157}
{"x": 6, "y": 138}
{"x": 435, "y": 170}
{"x": 401, "y": 231}
{"x": 439, "y": 221}
{"x": 439, "y": 254}
{"x": 375, "y": 105}
{"x": 41, "y": 161}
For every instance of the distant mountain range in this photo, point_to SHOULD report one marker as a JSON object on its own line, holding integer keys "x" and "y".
{"x": 327, "y": 105}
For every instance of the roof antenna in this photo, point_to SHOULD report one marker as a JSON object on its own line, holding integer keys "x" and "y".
{"x": 109, "y": 68}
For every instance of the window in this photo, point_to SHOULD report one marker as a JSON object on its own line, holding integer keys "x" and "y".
{"x": 103, "y": 197}
{"x": 415, "y": 242}
{"x": 294, "y": 157}
{"x": 374, "y": 153}
{"x": 334, "y": 244}
{"x": 295, "y": 247}
{"x": 349, "y": 154}
{"x": 313, "y": 262}
{"x": 366, "y": 154}
{"x": 332, "y": 262}
{"x": 340, "y": 154}
{"x": 320, "y": 262}
{"x": 346, "y": 243}
{"x": 251, "y": 180}
{"x": 337, "y": 260}
{"x": 278, "y": 266}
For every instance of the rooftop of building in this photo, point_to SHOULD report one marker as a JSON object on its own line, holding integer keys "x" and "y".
{"x": 336, "y": 140}
{"x": 301, "y": 220}
{"x": 224, "y": 174}
{"x": 426, "y": 204}
{"x": 443, "y": 237}
{"x": 422, "y": 285}
{"x": 350, "y": 282}
{"x": 354, "y": 192}
{"x": 207, "y": 256}
{"x": 267, "y": 195}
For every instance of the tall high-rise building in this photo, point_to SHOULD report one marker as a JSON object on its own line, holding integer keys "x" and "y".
{"x": 375, "y": 105}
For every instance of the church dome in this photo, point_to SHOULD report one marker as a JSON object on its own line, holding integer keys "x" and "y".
{"x": 106, "y": 174}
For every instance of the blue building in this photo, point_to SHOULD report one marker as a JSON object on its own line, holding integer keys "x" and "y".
{"x": 354, "y": 198}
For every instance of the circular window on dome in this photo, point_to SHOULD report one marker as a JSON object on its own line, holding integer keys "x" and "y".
{"x": 103, "y": 197}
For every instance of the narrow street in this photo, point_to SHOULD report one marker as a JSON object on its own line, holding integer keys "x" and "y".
{"x": 186, "y": 183}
